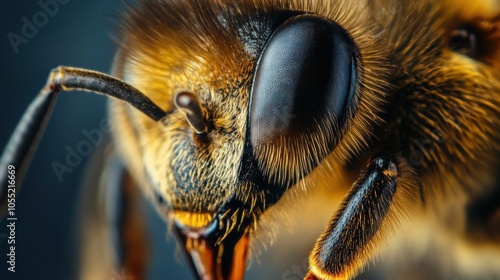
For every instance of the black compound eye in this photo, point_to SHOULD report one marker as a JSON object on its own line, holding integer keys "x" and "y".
{"x": 304, "y": 90}
{"x": 464, "y": 41}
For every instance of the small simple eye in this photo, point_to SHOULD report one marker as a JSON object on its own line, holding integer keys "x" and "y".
{"x": 464, "y": 41}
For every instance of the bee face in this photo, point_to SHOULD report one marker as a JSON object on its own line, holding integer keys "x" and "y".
{"x": 268, "y": 128}
{"x": 220, "y": 67}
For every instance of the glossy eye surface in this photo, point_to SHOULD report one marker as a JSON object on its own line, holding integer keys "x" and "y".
{"x": 303, "y": 92}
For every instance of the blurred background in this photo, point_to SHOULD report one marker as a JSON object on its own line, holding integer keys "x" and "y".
{"x": 78, "y": 34}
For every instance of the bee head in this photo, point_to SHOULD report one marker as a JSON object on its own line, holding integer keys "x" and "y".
{"x": 257, "y": 95}
{"x": 261, "y": 94}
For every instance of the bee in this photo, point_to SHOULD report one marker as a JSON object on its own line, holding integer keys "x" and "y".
{"x": 379, "y": 119}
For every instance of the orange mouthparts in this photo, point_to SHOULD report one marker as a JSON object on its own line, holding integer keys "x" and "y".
{"x": 213, "y": 253}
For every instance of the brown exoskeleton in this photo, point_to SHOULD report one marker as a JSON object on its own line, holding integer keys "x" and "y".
{"x": 234, "y": 111}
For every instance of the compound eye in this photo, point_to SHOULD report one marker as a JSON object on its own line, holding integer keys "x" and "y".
{"x": 303, "y": 93}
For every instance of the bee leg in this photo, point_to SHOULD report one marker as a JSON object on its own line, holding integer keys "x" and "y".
{"x": 127, "y": 229}
{"x": 353, "y": 234}
{"x": 29, "y": 131}
{"x": 112, "y": 234}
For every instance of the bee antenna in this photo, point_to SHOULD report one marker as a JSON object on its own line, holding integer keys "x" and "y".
{"x": 27, "y": 135}
{"x": 190, "y": 104}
